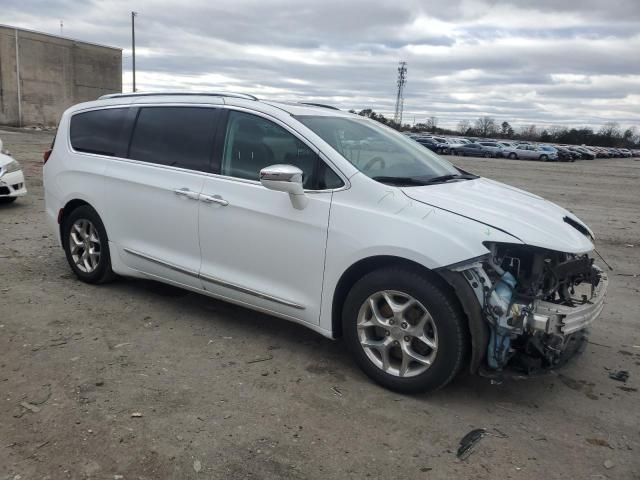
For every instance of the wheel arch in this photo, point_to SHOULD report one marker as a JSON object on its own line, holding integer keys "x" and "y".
{"x": 69, "y": 207}
{"x": 452, "y": 282}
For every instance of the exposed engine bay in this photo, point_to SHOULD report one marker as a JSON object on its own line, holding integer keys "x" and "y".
{"x": 538, "y": 304}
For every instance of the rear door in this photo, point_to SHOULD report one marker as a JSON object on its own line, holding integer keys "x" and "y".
{"x": 154, "y": 192}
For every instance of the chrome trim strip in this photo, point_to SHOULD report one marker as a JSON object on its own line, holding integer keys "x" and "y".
{"x": 161, "y": 262}
{"x": 251, "y": 292}
{"x": 217, "y": 281}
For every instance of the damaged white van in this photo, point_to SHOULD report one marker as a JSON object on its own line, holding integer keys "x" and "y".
{"x": 327, "y": 219}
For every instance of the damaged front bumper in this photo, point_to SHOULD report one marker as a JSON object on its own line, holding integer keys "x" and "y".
{"x": 524, "y": 337}
{"x": 565, "y": 320}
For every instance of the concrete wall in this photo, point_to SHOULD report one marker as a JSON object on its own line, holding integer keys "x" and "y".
{"x": 55, "y": 73}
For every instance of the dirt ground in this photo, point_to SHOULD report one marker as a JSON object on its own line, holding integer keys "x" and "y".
{"x": 136, "y": 380}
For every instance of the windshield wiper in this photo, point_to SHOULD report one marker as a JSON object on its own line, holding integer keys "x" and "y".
{"x": 419, "y": 181}
{"x": 446, "y": 178}
{"x": 414, "y": 181}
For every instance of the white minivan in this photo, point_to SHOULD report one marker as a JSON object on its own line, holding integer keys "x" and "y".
{"x": 327, "y": 219}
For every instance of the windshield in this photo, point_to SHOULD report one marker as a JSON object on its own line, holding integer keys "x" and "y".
{"x": 378, "y": 151}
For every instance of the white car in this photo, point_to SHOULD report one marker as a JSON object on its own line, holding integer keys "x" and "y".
{"x": 527, "y": 151}
{"x": 12, "y": 183}
{"x": 327, "y": 219}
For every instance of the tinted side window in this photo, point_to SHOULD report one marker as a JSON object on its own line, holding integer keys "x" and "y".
{"x": 175, "y": 136}
{"x": 252, "y": 143}
{"x": 99, "y": 131}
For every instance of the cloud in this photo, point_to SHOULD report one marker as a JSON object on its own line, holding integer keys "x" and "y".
{"x": 545, "y": 62}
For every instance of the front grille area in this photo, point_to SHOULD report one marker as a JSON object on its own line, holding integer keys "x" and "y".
{"x": 4, "y": 191}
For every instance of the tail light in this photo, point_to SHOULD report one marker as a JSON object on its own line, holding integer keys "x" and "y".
{"x": 46, "y": 155}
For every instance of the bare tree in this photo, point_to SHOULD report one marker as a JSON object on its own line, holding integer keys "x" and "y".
{"x": 485, "y": 126}
{"x": 529, "y": 132}
{"x": 464, "y": 126}
{"x": 432, "y": 124}
{"x": 610, "y": 130}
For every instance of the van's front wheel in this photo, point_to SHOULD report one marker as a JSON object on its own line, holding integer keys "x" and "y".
{"x": 404, "y": 331}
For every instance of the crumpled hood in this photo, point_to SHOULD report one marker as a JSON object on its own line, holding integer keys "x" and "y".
{"x": 528, "y": 217}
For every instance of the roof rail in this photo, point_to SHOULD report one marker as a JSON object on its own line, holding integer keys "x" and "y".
{"x": 322, "y": 105}
{"x": 246, "y": 96}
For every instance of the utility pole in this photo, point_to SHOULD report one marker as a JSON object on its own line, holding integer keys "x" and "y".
{"x": 402, "y": 80}
{"x": 133, "y": 46}
{"x": 61, "y": 27}
{"x": 18, "y": 80}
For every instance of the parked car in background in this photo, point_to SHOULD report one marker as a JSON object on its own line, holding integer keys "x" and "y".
{"x": 566, "y": 155}
{"x": 599, "y": 152}
{"x": 525, "y": 151}
{"x": 455, "y": 142}
{"x": 471, "y": 150}
{"x": 553, "y": 151}
{"x": 428, "y": 143}
{"x": 613, "y": 152}
{"x": 12, "y": 183}
{"x": 626, "y": 153}
{"x": 494, "y": 147}
{"x": 585, "y": 153}
{"x": 443, "y": 145}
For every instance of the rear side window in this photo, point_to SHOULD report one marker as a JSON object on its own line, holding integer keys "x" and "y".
{"x": 175, "y": 136}
{"x": 99, "y": 131}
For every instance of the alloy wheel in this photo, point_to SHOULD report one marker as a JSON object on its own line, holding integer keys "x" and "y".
{"x": 84, "y": 245}
{"x": 397, "y": 333}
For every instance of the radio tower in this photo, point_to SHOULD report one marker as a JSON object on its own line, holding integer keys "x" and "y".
{"x": 402, "y": 80}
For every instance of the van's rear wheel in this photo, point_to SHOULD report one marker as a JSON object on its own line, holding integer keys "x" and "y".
{"x": 404, "y": 331}
{"x": 86, "y": 245}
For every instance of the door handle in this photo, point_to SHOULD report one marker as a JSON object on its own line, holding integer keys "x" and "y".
{"x": 185, "y": 192}
{"x": 213, "y": 199}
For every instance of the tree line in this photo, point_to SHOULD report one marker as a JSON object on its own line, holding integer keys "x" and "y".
{"x": 611, "y": 134}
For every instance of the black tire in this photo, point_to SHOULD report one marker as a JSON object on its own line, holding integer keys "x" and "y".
{"x": 513, "y": 156}
{"x": 449, "y": 321}
{"x": 6, "y": 200}
{"x": 487, "y": 155}
{"x": 103, "y": 272}
{"x": 543, "y": 158}
{"x": 454, "y": 152}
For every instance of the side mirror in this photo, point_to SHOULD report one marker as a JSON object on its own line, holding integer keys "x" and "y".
{"x": 285, "y": 178}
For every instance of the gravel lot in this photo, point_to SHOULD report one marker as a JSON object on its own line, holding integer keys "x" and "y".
{"x": 136, "y": 380}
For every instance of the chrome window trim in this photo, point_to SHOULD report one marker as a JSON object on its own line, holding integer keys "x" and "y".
{"x": 345, "y": 180}
{"x": 214, "y": 280}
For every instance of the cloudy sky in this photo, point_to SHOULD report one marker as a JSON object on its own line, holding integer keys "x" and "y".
{"x": 548, "y": 62}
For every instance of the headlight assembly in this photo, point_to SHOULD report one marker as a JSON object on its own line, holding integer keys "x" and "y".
{"x": 12, "y": 166}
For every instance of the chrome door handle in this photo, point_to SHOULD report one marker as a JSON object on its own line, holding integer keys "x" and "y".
{"x": 213, "y": 199}
{"x": 185, "y": 192}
